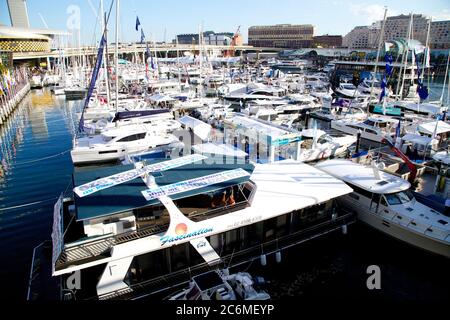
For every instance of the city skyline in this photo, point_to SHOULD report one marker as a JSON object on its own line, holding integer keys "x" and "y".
{"x": 161, "y": 21}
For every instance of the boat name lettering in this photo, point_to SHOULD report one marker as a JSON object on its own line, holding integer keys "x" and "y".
{"x": 169, "y": 239}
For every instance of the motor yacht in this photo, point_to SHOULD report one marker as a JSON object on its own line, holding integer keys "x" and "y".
{"x": 385, "y": 202}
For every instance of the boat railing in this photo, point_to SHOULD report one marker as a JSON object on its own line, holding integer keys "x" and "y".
{"x": 174, "y": 280}
{"x": 79, "y": 253}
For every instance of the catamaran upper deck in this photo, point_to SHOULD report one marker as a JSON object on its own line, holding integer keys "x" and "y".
{"x": 205, "y": 198}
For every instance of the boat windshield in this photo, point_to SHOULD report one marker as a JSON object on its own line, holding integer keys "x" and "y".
{"x": 107, "y": 138}
{"x": 401, "y": 197}
{"x": 348, "y": 86}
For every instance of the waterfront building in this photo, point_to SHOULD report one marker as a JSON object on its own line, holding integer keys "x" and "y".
{"x": 362, "y": 37}
{"x": 328, "y": 41}
{"x": 440, "y": 35}
{"x": 397, "y": 27}
{"x": 209, "y": 37}
{"x": 281, "y": 36}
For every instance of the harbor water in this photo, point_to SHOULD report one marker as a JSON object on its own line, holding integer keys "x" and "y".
{"x": 36, "y": 168}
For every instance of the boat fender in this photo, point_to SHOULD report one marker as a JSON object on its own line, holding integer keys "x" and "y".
{"x": 344, "y": 229}
{"x": 263, "y": 260}
{"x": 278, "y": 256}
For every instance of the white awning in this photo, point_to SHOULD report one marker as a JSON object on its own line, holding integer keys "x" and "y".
{"x": 200, "y": 128}
{"x": 429, "y": 127}
{"x": 161, "y": 98}
{"x": 219, "y": 149}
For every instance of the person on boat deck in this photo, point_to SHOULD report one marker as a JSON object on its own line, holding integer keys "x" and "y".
{"x": 219, "y": 199}
{"x": 222, "y": 199}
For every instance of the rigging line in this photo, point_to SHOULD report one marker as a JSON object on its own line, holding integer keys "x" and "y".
{"x": 28, "y": 204}
{"x": 44, "y": 158}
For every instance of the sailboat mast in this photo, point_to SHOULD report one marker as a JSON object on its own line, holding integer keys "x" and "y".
{"x": 116, "y": 55}
{"x": 441, "y": 99}
{"x": 425, "y": 53}
{"x": 104, "y": 64}
{"x": 380, "y": 42}
{"x": 406, "y": 56}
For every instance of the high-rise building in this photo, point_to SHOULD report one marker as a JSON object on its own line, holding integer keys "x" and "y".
{"x": 440, "y": 35}
{"x": 18, "y": 13}
{"x": 362, "y": 37}
{"x": 397, "y": 27}
{"x": 281, "y": 36}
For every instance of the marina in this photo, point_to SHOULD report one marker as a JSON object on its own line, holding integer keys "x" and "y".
{"x": 212, "y": 173}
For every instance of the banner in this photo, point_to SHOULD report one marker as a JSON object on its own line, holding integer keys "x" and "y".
{"x": 194, "y": 184}
{"x": 98, "y": 63}
{"x": 57, "y": 234}
{"x": 100, "y": 184}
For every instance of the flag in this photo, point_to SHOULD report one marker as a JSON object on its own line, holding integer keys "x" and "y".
{"x": 138, "y": 23}
{"x": 383, "y": 88}
{"x": 422, "y": 90}
{"x": 397, "y": 130}
{"x": 151, "y": 63}
{"x": 427, "y": 57}
{"x": 95, "y": 72}
{"x": 142, "y": 36}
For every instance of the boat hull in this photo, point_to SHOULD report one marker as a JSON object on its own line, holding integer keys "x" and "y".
{"x": 405, "y": 235}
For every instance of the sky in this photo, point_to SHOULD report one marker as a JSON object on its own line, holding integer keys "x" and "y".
{"x": 163, "y": 19}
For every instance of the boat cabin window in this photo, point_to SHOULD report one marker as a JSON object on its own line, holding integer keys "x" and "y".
{"x": 370, "y": 131}
{"x": 193, "y": 294}
{"x": 325, "y": 139}
{"x": 401, "y": 197}
{"x": 354, "y": 127}
{"x": 360, "y": 191}
{"x": 108, "y": 138}
{"x": 369, "y": 123}
{"x": 202, "y": 206}
{"x": 133, "y": 137}
{"x": 348, "y": 86}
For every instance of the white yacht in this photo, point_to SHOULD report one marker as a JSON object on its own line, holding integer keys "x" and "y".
{"x": 154, "y": 117}
{"x": 368, "y": 86}
{"x": 347, "y": 90}
{"x": 114, "y": 144}
{"x": 330, "y": 113}
{"x": 385, "y": 202}
{"x": 135, "y": 230}
{"x": 374, "y": 128}
{"x": 318, "y": 145}
{"x": 36, "y": 82}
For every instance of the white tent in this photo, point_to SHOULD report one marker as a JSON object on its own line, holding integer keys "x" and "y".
{"x": 219, "y": 149}
{"x": 429, "y": 127}
{"x": 161, "y": 98}
{"x": 200, "y": 128}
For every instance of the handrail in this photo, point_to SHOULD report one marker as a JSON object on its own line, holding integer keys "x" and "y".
{"x": 268, "y": 247}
